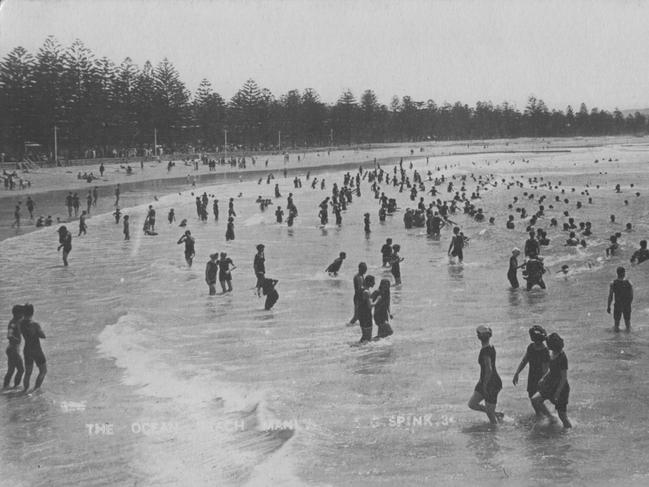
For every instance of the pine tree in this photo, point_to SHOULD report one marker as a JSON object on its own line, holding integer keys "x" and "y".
{"x": 16, "y": 107}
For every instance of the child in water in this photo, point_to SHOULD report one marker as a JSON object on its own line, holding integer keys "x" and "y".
{"x": 554, "y": 386}
{"x": 381, "y": 304}
{"x": 489, "y": 385}
{"x": 538, "y": 358}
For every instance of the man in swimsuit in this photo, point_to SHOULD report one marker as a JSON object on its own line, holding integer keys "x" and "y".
{"x": 641, "y": 254}
{"x": 225, "y": 275}
{"x": 359, "y": 279}
{"x": 32, "y": 333}
{"x": 65, "y": 241}
{"x": 14, "y": 360}
{"x": 386, "y": 252}
{"x": 189, "y": 242}
{"x": 456, "y": 246}
{"x": 259, "y": 266}
{"x": 211, "y": 269}
{"x": 622, "y": 290}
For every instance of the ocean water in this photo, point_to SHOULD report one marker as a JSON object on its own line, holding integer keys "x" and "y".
{"x": 153, "y": 382}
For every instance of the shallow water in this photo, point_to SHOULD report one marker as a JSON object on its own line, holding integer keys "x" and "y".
{"x": 153, "y": 382}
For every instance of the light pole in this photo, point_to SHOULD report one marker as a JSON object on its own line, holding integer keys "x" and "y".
{"x": 279, "y": 139}
{"x": 155, "y": 143}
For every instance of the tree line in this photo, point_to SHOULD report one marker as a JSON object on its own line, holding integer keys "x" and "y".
{"x": 107, "y": 107}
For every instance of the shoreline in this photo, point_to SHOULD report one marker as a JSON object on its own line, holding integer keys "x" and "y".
{"x": 54, "y": 183}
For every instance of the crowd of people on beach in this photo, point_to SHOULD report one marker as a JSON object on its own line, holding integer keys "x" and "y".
{"x": 548, "y": 365}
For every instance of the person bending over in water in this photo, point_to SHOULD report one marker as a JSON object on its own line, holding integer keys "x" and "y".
{"x": 381, "y": 304}
{"x": 622, "y": 290}
{"x": 554, "y": 386}
{"x": 538, "y": 358}
{"x": 189, "y": 242}
{"x": 14, "y": 360}
{"x": 268, "y": 288}
{"x": 489, "y": 385}
{"x": 534, "y": 270}
{"x": 211, "y": 270}
{"x": 641, "y": 254}
{"x": 65, "y": 241}
{"x": 334, "y": 267}
{"x": 32, "y": 333}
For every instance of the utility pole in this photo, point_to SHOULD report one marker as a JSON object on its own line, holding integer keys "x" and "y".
{"x": 279, "y": 139}
{"x": 155, "y": 143}
{"x": 56, "y": 146}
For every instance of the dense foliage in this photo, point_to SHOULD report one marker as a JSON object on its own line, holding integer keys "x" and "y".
{"x": 98, "y": 105}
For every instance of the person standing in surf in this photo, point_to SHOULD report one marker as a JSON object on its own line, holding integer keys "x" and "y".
{"x": 33, "y": 353}
{"x": 513, "y": 267}
{"x": 381, "y": 304}
{"x": 365, "y": 309}
{"x": 538, "y": 358}
{"x": 189, "y": 242}
{"x": 622, "y": 290}
{"x": 226, "y": 266}
{"x": 489, "y": 385}
{"x": 259, "y": 266}
{"x": 14, "y": 360}
{"x": 127, "y": 231}
{"x": 395, "y": 263}
{"x": 358, "y": 281}
{"x": 456, "y": 246}
{"x": 229, "y": 232}
{"x": 554, "y": 386}
{"x": 211, "y": 270}
{"x": 65, "y": 243}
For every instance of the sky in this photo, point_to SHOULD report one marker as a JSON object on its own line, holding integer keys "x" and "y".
{"x": 564, "y": 52}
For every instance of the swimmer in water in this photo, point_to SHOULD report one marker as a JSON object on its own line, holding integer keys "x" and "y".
{"x": 189, "y": 242}
{"x": 641, "y": 254}
{"x": 334, "y": 267}
{"x": 489, "y": 385}
{"x": 622, "y": 291}
{"x": 554, "y": 386}
{"x": 538, "y": 358}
